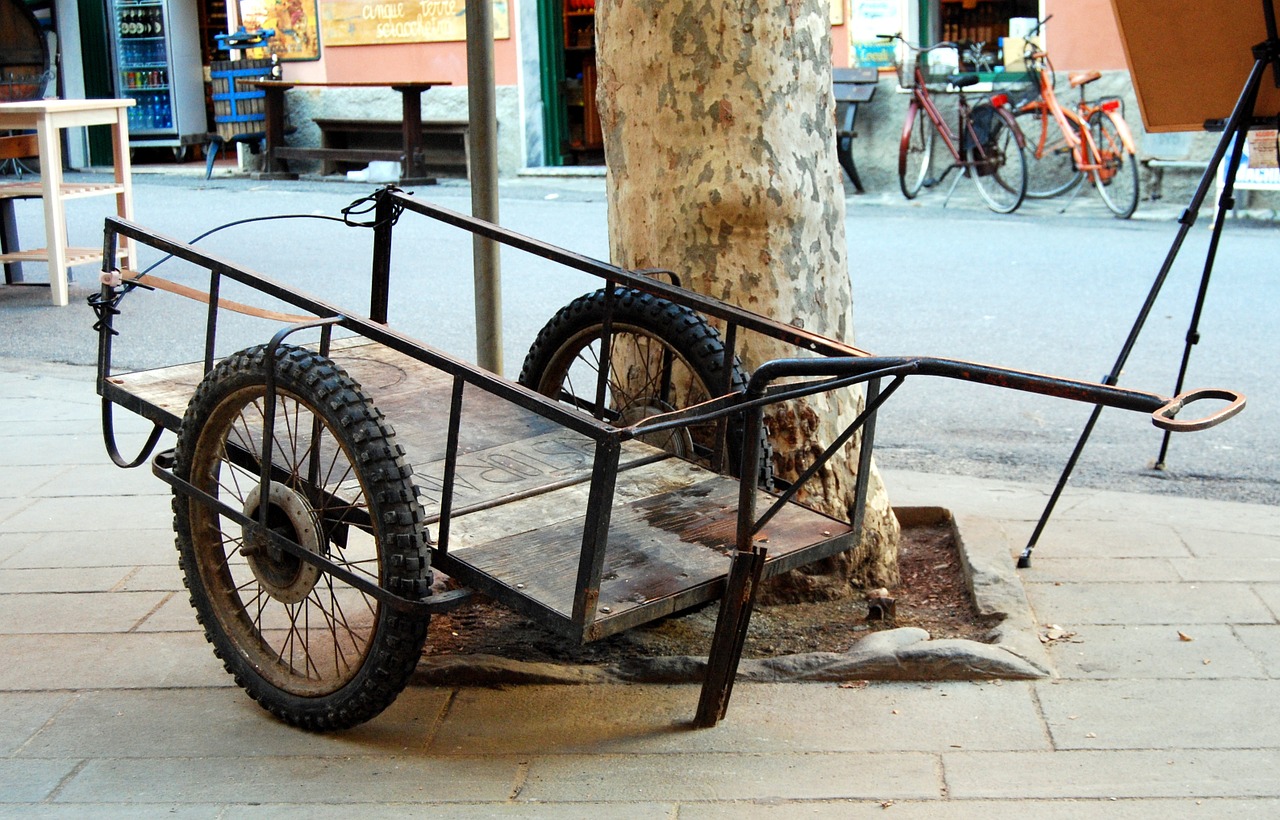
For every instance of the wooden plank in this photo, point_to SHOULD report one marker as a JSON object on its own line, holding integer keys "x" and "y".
{"x": 672, "y": 530}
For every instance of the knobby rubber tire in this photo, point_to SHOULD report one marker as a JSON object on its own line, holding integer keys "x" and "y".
{"x": 1118, "y": 182}
{"x": 309, "y": 648}
{"x": 998, "y": 167}
{"x": 1051, "y": 168}
{"x": 568, "y": 347}
{"x": 915, "y": 152}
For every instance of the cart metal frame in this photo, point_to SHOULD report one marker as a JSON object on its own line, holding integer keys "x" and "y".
{"x": 742, "y": 556}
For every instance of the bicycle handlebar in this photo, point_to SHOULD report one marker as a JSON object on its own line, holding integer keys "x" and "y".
{"x": 919, "y": 49}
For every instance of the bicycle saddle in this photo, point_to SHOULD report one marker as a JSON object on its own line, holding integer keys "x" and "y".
{"x": 1084, "y": 78}
{"x": 963, "y": 80}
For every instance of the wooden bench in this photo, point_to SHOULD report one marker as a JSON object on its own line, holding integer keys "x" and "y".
{"x": 346, "y": 144}
{"x": 852, "y": 87}
{"x": 409, "y": 154}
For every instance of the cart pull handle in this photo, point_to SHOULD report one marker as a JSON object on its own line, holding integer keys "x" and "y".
{"x": 1165, "y": 417}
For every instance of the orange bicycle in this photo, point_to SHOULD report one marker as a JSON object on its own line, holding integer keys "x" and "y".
{"x": 1066, "y": 145}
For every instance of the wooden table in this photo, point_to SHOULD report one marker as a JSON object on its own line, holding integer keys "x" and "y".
{"x": 47, "y": 118}
{"x": 412, "y": 170}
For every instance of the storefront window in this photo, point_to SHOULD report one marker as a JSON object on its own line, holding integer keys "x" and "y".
{"x": 981, "y": 28}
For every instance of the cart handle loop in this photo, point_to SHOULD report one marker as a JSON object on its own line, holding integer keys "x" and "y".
{"x": 1165, "y": 417}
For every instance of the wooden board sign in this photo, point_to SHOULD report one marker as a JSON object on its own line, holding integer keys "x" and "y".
{"x": 378, "y": 22}
{"x": 1189, "y": 59}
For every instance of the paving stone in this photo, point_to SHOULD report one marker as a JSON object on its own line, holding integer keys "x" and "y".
{"x": 210, "y": 723}
{"x": 174, "y": 615}
{"x": 1184, "y": 773}
{"x": 22, "y": 713}
{"x": 1124, "y": 538}
{"x": 30, "y": 781}
{"x": 9, "y": 507}
{"x": 79, "y": 579}
{"x": 53, "y": 449}
{"x": 22, "y": 614}
{"x": 302, "y": 780}
{"x": 21, "y": 482}
{"x": 726, "y": 776}
{"x": 1241, "y": 570}
{"x": 1171, "y": 714}
{"x": 1126, "y": 809}
{"x": 109, "y": 661}
{"x": 1232, "y": 544}
{"x": 92, "y": 514}
{"x": 124, "y": 547}
{"x": 170, "y": 811}
{"x": 1047, "y": 568}
{"x": 1265, "y": 642}
{"x": 100, "y": 479}
{"x": 762, "y": 718}
{"x": 1145, "y": 603}
{"x": 1155, "y": 652}
{"x": 166, "y": 577}
{"x": 1270, "y": 594}
{"x": 389, "y": 810}
{"x": 1174, "y": 511}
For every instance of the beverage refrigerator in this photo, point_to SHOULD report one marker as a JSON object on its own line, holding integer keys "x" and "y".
{"x": 156, "y": 51}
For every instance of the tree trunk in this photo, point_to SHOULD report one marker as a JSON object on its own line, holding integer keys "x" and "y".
{"x": 719, "y": 136}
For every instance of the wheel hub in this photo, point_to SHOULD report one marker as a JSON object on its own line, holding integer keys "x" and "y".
{"x": 286, "y": 578}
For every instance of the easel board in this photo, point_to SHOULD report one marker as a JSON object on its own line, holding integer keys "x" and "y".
{"x": 1189, "y": 59}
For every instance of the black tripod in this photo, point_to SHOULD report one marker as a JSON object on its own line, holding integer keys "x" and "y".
{"x": 1234, "y": 133}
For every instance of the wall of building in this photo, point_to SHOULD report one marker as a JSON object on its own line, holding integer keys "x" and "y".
{"x": 1083, "y": 35}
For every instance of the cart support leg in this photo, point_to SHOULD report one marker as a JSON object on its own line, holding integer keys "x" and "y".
{"x": 731, "y": 633}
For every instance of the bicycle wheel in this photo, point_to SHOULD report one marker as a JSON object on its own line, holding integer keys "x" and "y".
{"x": 915, "y": 154}
{"x": 1117, "y": 179}
{"x": 310, "y": 648}
{"x": 663, "y": 357}
{"x": 998, "y": 166}
{"x": 1051, "y": 170}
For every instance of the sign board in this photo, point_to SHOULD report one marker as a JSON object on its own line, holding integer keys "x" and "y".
{"x": 297, "y": 37}
{"x": 868, "y": 20}
{"x": 356, "y": 23}
{"x": 1189, "y": 59}
{"x": 1259, "y": 166}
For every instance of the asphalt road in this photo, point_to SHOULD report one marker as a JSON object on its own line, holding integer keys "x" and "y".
{"x": 1038, "y": 290}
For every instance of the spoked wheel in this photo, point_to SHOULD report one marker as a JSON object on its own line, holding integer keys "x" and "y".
{"x": 1051, "y": 170}
{"x": 1117, "y": 181}
{"x": 915, "y": 154}
{"x": 310, "y": 648}
{"x": 663, "y": 357}
{"x": 998, "y": 166}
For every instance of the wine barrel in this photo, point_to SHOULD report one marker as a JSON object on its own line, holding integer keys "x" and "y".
{"x": 24, "y": 54}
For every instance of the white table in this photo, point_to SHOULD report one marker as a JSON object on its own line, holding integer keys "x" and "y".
{"x": 47, "y": 118}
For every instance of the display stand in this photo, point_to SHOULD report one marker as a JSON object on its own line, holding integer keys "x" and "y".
{"x": 48, "y": 118}
{"x": 1243, "y": 117}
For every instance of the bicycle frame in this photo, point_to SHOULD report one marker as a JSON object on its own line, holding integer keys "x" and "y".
{"x": 1086, "y": 154}
{"x": 922, "y": 100}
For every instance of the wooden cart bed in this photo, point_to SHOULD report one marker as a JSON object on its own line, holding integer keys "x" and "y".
{"x": 520, "y": 497}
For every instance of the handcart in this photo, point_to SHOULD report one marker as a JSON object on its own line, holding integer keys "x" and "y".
{"x": 618, "y": 481}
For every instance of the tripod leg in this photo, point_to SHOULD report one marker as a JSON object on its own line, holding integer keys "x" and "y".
{"x": 1237, "y": 126}
{"x": 1225, "y": 203}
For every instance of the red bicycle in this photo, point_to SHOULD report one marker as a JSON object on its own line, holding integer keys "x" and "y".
{"x": 986, "y": 145}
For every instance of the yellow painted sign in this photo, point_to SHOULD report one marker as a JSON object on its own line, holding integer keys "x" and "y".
{"x": 355, "y": 23}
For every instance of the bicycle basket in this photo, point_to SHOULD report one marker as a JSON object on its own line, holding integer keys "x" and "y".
{"x": 935, "y": 75}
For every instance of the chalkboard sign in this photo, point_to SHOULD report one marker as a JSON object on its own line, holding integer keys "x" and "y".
{"x": 1189, "y": 59}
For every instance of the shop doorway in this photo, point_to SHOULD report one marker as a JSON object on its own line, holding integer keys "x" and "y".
{"x": 571, "y": 121}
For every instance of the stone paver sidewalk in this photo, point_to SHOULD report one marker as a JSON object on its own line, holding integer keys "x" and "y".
{"x": 1166, "y": 651}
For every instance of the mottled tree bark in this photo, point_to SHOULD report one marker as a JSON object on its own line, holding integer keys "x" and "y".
{"x": 719, "y": 138}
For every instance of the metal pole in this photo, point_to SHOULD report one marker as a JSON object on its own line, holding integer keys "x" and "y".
{"x": 483, "y": 171}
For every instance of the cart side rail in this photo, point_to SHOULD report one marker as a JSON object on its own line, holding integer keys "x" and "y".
{"x": 368, "y": 328}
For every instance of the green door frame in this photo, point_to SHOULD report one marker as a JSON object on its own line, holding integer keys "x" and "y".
{"x": 95, "y": 52}
{"x": 555, "y": 123}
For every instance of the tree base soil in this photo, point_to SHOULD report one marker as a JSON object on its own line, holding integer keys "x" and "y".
{"x": 933, "y": 596}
